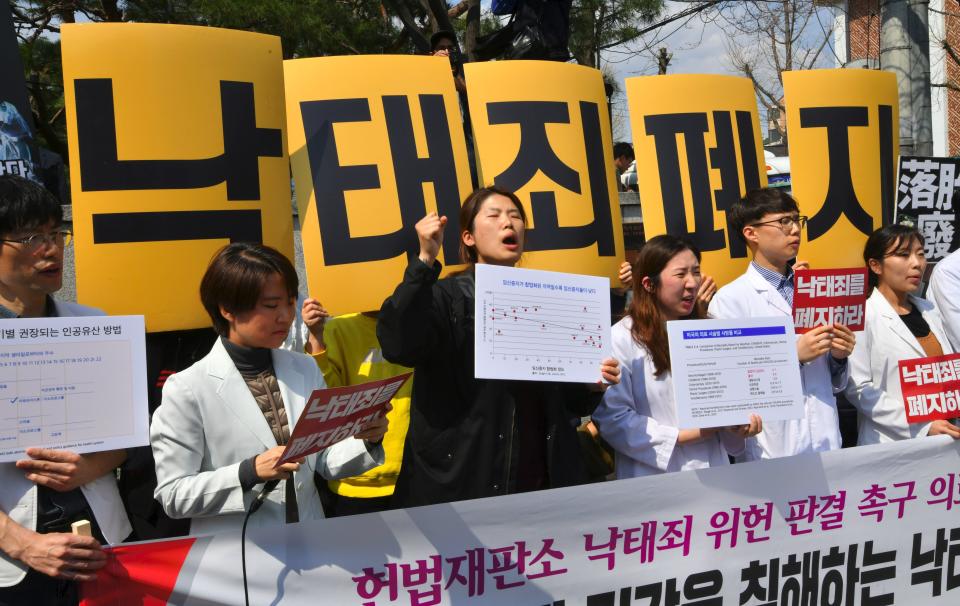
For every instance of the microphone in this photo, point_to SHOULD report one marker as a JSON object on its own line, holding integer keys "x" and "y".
{"x": 266, "y": 490}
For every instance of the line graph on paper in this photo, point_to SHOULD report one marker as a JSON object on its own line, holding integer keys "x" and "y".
{"x": 547, "y": 327}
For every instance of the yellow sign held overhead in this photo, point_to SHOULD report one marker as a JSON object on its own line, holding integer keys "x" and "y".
{"x": 542, "y": 131}
{"x": 371, "y": 156}
{"x": 176, "y": 141}
{"x": 842, "y": 128}
{"x": 698, "y": 148}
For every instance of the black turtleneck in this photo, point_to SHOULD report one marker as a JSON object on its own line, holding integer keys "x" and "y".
{"x": 250, "y": 361}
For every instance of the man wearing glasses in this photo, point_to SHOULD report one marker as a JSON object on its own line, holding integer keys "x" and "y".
{"x": 41, "y": 496}
{"x": 770, "y": 223}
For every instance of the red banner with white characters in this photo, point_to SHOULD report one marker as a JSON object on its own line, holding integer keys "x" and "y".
{"x": 829, "y": 296}
{"x": 875, "y": 524}
{"x": 931, "y": 388}
{"x": 337, "y": 413}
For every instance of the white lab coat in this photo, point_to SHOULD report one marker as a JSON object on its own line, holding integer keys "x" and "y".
{"x": 18, "y": 496}
{"x": 944, "y": 293}
{"x": 874, "y": 388}
{"x": 208, "y": 423}
{"x": 751, "y": 296}
{"x": 638, "y": 418}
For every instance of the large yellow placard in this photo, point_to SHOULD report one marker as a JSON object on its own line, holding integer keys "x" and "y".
{"x": 698, "y": 148}
{"x": 176, "y": 140}
{"x": 542, "y": 130}
{"x": 376, "y": 142}
{"x": 842, "y": 130}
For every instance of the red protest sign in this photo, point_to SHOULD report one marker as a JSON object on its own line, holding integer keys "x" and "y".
{"x": 828, "y": 296}
{"x": 338, "y": 413}
{"x": 931, "y": 388}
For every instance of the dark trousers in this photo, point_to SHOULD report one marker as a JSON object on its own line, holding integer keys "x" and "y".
{"x": 38, "y": 589}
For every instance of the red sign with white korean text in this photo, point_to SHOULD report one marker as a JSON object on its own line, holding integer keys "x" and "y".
{"x": 931, "y": 388}
{"x": 829, "y": 296}
{"x": 338, "y": 413}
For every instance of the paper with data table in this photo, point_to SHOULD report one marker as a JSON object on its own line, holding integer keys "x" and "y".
{"x": 725, "y": 370}
{"x": 540, "y": 325}
{"x": 76, "y": 384}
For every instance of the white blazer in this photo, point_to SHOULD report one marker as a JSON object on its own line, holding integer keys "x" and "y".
{"x": 751, "y": 296}
{"x": 18, "y": 496}
{"x": 944, "y": 293}
{"x": 208, "y": 423}
{"x": 638, "y": 418}
{"x": 874, "y": 387}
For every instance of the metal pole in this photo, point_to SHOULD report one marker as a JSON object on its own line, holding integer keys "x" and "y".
{"x": 905, "y": 51}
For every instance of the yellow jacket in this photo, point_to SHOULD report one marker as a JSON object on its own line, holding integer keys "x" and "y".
{"x": 353, "y": 356}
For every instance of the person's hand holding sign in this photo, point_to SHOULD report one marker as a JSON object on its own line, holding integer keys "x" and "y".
{"x": 374, "y": 430}
{"x": 430, "y": 233}
{"x": 814, "y": 343}
{"x": 266, "y": 468}
{"x": 315, "y": 317}
{"x": 754, "y": 427}
{"x": 842, "y": 343}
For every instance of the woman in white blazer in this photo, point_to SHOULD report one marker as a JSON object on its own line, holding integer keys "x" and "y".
{"x": 217, "y": 433}
{"x": 638, "y": 417}
{"x": 898, "y": 326}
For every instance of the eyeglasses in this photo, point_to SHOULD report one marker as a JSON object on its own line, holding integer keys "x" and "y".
{"x": 34, "y": 242}
{"x": 785, "y": 223}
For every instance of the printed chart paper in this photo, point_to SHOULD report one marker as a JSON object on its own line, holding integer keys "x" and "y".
{"x": 76, "y": 384}
{"x": 540, "y": 325}
{"x": 726, "y": 370}
{"x": 931, "y": 388}
{"x": 338, "y": 413}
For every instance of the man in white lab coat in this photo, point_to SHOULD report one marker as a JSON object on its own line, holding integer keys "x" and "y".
{"x": 770, "y": 223}
{"x": 944, "y": 291}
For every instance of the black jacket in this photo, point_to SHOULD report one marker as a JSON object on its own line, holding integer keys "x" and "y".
{"x": 462, "y": 438}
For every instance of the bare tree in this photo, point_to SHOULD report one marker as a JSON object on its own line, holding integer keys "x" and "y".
{"x": 767, "y": 38}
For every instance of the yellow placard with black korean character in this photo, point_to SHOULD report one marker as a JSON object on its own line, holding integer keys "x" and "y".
{"x": 698, "y": 148}
{"x": 542, "y": 131}
{"x": 176, "y": 149}
{"x": 376, "y": 142}
{"x": 843, "y": 132}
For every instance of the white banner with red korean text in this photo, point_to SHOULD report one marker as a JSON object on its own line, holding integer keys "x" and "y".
{"x": 869, "y": 525}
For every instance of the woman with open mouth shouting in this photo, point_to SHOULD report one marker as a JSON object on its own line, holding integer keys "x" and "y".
{"x": 638, "y": 417}
{"x": 470, "y": 437}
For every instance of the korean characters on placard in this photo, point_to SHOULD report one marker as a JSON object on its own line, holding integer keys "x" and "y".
{"x": 698, "y": 148}
{"x": 376, "y": 142}
{"x": 842, "y": 126}
{"x": 176, "y": 138}
{"x": 542, "y": 131}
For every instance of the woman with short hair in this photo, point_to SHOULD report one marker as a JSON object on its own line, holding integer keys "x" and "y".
{"x": 223, "y": 423}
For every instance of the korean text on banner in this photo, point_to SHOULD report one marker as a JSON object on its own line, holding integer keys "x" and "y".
{"x": 698, "y": 147}
{"x": 176, "y": 148}
{"x": 869, "y": 525}
{"x": 726, "y": 370}
{"x": 376, "y": 143}
{"x": 338, "y": 413}
{"x": 829, "y": 296}
{"x": 72, "y": 383}
{"x": 546, "y": 137}
{"x": 926, "y": 192}
{"x": 931, "y": 388}
{"x": 843, "y": 130}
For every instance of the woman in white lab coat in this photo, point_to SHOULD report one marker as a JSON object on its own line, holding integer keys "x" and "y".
{"x": 898, "y": 326}
{"x": 638, "y": 417}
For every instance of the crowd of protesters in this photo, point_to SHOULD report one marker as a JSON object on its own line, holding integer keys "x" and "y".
{"x": 222, "y": 422}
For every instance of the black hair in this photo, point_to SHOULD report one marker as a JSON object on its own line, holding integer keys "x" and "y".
{"x": 622, "y": 148}
{"x": 26, "y": 206}
{"x": 235, "y": 278}
{"x": 757, "y": 204}
{"x": 471, "y": 208}
{"x": 885, "y": 240}
{"x": 442, "y": 35}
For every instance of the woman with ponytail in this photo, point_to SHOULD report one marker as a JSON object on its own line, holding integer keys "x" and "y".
{"x": 638, "y": 417}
